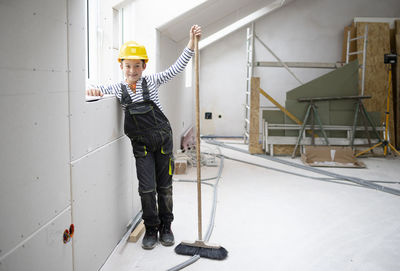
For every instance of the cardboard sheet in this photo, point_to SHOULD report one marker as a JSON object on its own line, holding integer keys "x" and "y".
{"x": 330, "y": 156}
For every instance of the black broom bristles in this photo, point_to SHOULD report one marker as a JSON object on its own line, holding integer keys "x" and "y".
{"x": 210, "y": 253}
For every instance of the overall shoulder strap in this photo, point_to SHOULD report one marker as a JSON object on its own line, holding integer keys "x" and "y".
{"x": 125, "y": 97}
{"x": 145, "y": 89}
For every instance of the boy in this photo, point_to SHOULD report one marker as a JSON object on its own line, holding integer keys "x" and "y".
{"x": 150, "y": 134}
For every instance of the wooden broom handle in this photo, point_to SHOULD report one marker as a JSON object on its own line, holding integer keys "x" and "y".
{"x": 196, "y": 64}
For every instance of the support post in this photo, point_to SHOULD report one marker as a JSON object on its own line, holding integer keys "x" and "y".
{"x": 254, "y": 133}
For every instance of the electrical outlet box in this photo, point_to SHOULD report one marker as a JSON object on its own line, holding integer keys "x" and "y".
{"x": 208, "y": 115}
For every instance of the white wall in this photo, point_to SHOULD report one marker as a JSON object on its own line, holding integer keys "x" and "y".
{"x": 304, "y": 30}
{"x": 63, "y": 160}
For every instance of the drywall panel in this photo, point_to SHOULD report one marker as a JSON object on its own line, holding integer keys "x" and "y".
{"x": 41, "y": 40}
{"x": 104, "y": 199}
{"x": 340, "y": 82}
{"x": 274, "y": 117}
{"x": 300, "y": 109}
{"x": 77, "y": 53}
{"x": 44, "y": 250}
{"x": 93, "y": 124}
{"x": 34, "y": 164}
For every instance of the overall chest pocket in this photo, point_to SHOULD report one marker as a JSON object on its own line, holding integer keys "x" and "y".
{"x": 140, "y": 109}
{"x": 140, "y": 117}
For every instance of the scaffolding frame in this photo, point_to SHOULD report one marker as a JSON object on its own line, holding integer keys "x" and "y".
{"x": 249, "y": 75}
{"x": 363, "y": 52}
{"x": 251, "y": 63}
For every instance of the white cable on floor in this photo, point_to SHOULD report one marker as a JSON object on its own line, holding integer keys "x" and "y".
{"x": 356, "y": 180}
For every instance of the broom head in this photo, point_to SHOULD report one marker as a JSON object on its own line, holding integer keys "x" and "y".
{"x": 205, "y": 250}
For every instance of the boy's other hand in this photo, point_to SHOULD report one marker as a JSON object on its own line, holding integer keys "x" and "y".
{"x": 94, "y": 92}
{"x": 195, "y": 31}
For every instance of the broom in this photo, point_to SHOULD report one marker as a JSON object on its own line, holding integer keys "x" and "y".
{"x": 199, "y": 247}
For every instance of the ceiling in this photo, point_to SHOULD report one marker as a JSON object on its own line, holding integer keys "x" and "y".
{"x": 213, "y": 15}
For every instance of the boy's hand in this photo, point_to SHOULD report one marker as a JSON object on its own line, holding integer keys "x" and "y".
{"x": 94, "y": 92}
{"x": 195, "y": 31}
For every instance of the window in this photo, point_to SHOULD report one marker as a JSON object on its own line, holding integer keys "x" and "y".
{"x": 104, "y": 37}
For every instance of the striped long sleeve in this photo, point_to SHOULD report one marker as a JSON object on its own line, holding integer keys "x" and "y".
{"x": 153, "y": 81}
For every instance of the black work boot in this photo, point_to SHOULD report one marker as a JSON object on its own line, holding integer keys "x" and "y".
{"x": 166, "y": 235}
{"x": 150, "y": 237}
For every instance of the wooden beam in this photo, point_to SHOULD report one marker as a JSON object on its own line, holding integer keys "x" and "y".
{"x": 254, "y": 131}
{"x": 137, "y": 232}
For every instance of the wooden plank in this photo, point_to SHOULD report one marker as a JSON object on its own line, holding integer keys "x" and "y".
{"x": 136, "y": 233}
{"x": 254, "y": 131}
{"x": 376, "y": 73}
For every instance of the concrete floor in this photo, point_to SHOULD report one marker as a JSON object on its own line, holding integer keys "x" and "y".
{"x": 269, "y": 220}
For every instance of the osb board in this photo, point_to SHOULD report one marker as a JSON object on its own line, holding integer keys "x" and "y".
{"x": 285, "y": 150}
{"x": 376, "y": 72}
{"x": 254, "y": 131}
{"x": 397, "y": 26}
{"x": 352, "y": 45}
{"x": 396, "y": 90}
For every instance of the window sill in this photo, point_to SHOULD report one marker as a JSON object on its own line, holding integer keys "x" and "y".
{"x": 97, "y": 98}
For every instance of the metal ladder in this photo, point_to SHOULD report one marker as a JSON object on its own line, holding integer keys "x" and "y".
{"x": 250, "y": 67}
{"x": 363, "y": 51}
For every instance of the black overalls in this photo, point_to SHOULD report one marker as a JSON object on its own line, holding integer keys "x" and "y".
{"x": 151, "y": 137}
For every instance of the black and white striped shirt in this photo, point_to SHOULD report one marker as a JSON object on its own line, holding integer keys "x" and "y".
{"x": 153, "y": 81}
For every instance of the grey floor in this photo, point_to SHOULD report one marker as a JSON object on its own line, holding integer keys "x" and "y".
{"x": 269, "y": 220}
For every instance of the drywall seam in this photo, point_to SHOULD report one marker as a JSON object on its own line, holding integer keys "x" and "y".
{"x": 96, "y": 150}
{"x": 68, "y": 208}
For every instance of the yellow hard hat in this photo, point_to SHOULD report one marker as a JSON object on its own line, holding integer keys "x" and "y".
{"x": 132, "y": 50}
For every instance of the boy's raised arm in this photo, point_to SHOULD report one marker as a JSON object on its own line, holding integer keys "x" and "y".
{"x": 182, "y": 61}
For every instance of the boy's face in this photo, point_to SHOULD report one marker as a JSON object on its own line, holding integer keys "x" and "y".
{"x": 132, "y": 69}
